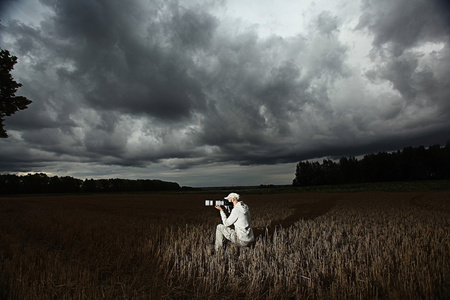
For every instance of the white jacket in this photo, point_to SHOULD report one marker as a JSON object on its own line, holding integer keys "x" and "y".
{"x": 240, "y": 217}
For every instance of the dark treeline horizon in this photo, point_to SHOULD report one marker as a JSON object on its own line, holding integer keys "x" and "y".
{"x": 40, "y": 183}
{"x": 409, "y": 164}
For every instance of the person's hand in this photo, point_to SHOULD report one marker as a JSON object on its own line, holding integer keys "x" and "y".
{"x": 218, "y": 207}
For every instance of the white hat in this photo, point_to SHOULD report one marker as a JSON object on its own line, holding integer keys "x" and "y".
{"x": 232, "y": 196}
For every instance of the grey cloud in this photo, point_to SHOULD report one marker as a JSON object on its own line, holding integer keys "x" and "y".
{"x": 327, "y": 24}
{"x": 400, "y": 29}
{"x": 133, "y": 73}
{"x": 264, "y": 91}
{"x": 404, "y": 24}
{"x": 418, "y": 81}
{"x": 194, "y": 29}
{"x": 19, "y": 159}
{"x": 101, "y": 143}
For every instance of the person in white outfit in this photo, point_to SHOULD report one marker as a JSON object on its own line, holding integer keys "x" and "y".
{"x": 242, "y": 234}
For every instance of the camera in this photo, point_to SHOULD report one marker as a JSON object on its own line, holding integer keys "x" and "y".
{"x": 228, "y": 206}
{"x": 218, "y": 202}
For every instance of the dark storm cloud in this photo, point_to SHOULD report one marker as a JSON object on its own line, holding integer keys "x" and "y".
{"x": 137, "y": 69}
{"x": 400, "y": 28}
{"x": 138, "y": 83}
{"x": 112, "y": 57}
{"x": 404, "y": 24}
{"x": 264, "y": 87}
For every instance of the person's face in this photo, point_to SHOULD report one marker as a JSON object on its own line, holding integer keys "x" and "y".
{"x": 233, "y": 200}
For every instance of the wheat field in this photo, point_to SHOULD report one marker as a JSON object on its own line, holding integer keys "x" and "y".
{"x": 366, "y": 245}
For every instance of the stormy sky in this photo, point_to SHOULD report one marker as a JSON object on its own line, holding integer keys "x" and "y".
{"x": 221, "y": 93}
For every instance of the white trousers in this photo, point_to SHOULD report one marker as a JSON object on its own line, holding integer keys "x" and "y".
{"x": 223, "y": 232}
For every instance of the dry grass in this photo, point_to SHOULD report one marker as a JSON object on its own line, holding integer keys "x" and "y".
{"x": 316, "y": 246}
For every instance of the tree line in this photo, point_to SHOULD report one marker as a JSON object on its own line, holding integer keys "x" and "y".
{"x": 409, "y": 164}
{"x": 40, "y": 183}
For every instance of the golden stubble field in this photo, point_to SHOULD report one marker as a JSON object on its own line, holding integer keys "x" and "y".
{"x": 367, "y": 245}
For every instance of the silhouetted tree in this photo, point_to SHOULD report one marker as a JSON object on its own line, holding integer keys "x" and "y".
{"x": 69, "y": 184}
{"x": 446, "y": 161}
{"x": 10, "y": 184}
{"x": 331, "y": 172}
{"x": 350, "y": 169}
{"x": 9, "y": 102}
{"x": 88, "y": 186}
{"x": 308, "y": 173}
{"x": 36, "y": 183}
